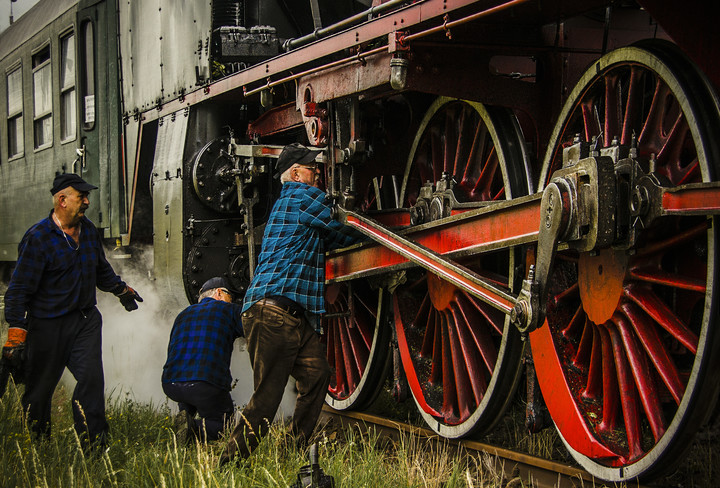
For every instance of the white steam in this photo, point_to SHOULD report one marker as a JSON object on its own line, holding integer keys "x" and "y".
{"x": 135, "y": 343}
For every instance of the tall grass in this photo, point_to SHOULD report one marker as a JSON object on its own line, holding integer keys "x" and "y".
{"x": 143, "y": 452}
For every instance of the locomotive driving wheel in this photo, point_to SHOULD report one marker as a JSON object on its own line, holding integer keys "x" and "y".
{"x": 627, "y": 358}
{"x": 461, "y": 356}
{"x": 357, "y": 338}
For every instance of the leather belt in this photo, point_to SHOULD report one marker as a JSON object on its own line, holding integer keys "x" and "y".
{"x": 284, "y": 304}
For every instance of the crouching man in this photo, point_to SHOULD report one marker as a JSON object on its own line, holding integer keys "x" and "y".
{"x": 197, "y": 371}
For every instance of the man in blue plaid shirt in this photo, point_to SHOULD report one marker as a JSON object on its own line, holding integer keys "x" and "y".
{"x": 283, "y": 303}
{"x": 50, "y": 307}
{"x": 197, "y": 371}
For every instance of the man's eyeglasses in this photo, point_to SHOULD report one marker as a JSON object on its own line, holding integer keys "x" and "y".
{"x": 312, "y": 167}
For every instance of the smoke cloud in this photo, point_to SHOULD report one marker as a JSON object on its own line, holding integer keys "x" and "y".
{"x": 135, "y": 343}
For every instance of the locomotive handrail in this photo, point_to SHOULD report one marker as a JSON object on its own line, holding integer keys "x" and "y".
{"x": 291, "y": 44}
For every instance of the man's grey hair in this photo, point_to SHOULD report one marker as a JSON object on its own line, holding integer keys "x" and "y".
{"x": 285, "y": 177}
{"x": 206, "y": 294}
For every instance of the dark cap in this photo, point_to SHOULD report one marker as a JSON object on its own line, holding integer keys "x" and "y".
{"x": 294, "y": 153}
{"x": 70, "y": 179}
{"x": 212, "y": 283}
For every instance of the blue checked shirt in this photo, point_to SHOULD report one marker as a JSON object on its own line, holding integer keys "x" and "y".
{"x": 52, "y": 279}
{"x": 201, "y": 343}
{"x": 292, "y": 261}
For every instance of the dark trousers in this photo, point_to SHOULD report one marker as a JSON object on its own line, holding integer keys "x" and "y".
{"x": 213, "y": 404}
{"x": 73, "y": 341}
{"x": 280, "y": 345}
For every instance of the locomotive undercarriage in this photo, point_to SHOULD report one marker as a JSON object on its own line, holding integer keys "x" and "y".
{"x": 605, "y": 272}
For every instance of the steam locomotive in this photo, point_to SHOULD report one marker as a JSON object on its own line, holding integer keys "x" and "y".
{"x": 537, "y": 179}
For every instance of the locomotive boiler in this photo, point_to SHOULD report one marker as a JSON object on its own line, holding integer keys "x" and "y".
{"x": 537, "y": 182}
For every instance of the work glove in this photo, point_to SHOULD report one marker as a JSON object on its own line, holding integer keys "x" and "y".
{"x": 128, "y": 297}
{"x": 13, "y": 351}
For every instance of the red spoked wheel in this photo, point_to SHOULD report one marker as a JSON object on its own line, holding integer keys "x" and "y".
{"x": 627, "y": 359}
{"x": 462, "y": 356}
{"x": 357, "y": 336}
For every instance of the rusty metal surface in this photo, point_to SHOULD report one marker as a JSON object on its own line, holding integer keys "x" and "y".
{"x": 415, "y": 15}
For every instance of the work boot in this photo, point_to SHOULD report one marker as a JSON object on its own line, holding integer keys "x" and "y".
{"x": 184, "y": 427}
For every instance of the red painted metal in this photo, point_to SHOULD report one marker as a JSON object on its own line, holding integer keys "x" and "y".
{"x": 559, "y": 398}
{"x": 257, "y": 76}
{"x": 628, "y": 396}
{"x": 278, "y": 118}
{"x": 472, "y": 232}
{"x": 642, "y": 375}
{"x": 692, "y": 201}
{"x": 655, "y": 349}
{"x": 665, "y": 317}
{"x": 610, "y": 394}
{"x": 486, "y": 293}
{"x": 409, "y": 367}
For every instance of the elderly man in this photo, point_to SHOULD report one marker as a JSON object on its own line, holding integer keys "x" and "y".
{"x": 50, "y": 307}
{"x": 282, "y": 306}
{"x": 197, "y": 371}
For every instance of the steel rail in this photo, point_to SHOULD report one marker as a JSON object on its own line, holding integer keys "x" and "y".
{"x": 533, "y": 470}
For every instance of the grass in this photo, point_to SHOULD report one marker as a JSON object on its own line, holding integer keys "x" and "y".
{"x": 143, "y": 452}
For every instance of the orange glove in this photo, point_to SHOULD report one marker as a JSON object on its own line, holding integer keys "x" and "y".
{"x": 15, "y": 344}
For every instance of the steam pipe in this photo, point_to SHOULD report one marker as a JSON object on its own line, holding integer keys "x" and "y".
{"x": 291, "y": 44}
{"x": 358, "y": 57}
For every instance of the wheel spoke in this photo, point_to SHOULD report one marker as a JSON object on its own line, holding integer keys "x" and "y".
{"x": 633, "y": 105}
{"x": 643, "y": 378}
{"x": 612, "y": 107}
{"x": 357, "y": 348}
{"x": 634, "y": 343}
{"x": 655, "y": 349}
{"x": 628, "y": 396}
{"x": 473, "y": 331}
{"x": 460, "y": 367}
{"x": 455, "y": 342}
{"x": 610, "y": 397}
{"x": 673, "y": 280}
{"x": 663, "y": 315}
{"x": 667, "y": 244}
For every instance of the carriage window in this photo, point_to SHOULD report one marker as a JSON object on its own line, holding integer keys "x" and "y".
{"x": 42, "y": 97}
{"x": 68, "y": 106}
{"x": 15, "y": 115}
{"x": 88, "y": 75}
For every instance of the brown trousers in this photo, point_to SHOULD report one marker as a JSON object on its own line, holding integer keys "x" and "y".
{"x": 280, "y": 345}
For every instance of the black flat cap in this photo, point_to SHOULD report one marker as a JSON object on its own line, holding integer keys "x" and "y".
{"x": 212, "y": 283}
{"x": 294, "y": 153}
{"x": 70, "y": 179}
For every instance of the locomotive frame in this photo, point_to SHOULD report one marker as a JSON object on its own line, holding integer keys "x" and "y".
{"x": 538, "y": 173}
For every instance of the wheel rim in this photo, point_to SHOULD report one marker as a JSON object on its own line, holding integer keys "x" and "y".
{"x": 357, "y": 343}
{"x": 461, "y": 356}
{"x": 629, "y": 330}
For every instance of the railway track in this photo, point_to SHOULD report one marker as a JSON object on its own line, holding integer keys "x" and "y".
{"x": 518, "y": 469}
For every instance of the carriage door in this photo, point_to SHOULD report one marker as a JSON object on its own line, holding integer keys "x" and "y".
{"x": 100, "y": 139}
